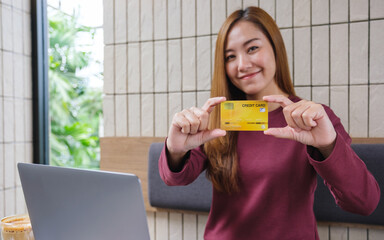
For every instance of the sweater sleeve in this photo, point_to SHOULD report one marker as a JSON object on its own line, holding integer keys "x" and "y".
{"x": 345, "y": 174}
{"x": 193, "y": 166}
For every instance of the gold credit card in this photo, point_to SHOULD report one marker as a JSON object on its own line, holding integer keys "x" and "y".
{"x": 244, "y": 115}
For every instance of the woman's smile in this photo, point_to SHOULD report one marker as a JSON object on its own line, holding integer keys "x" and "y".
{"x": 250, "y": 75}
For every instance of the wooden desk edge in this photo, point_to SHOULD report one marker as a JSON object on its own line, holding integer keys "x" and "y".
{"x": 368, "y": 140}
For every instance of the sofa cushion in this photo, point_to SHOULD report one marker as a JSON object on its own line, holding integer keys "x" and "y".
{"x": 196, "y": 196}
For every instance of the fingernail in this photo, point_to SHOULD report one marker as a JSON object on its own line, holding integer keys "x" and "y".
{"x": 223, "y": 132}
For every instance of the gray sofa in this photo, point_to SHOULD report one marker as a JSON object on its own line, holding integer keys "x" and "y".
{"x": 197, "y": 196}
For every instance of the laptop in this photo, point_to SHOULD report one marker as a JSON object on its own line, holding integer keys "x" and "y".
{"x": 77, "y": 204}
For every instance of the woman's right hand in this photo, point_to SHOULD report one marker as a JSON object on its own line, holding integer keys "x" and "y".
{"x": 189, "y": 129}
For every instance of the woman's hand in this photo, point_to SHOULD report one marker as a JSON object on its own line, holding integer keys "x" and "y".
{"x": 189, "y": 129}
{"x": 308, "y": 123}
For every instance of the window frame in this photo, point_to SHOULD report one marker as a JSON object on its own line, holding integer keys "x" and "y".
{"x": 40, "y": 84}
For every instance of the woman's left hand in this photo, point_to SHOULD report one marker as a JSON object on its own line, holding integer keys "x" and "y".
{"x": 308, "y": 123}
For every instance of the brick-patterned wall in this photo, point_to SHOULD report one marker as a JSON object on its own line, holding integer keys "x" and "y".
{"x": 15, "y": 101}
{"x": 158, "y": 61}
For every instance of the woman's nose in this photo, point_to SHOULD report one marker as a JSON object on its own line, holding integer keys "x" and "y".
{"x": 244, "y": 63}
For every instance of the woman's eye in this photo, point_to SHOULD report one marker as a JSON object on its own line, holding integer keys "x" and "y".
{"x": 229, "y": 58}
{"x": 253, "y": 48}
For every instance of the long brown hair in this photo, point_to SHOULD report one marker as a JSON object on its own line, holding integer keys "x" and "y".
{"x": 222, "y": 152}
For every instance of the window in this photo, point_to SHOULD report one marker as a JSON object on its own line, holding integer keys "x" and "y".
{"x": 74, "y": 65}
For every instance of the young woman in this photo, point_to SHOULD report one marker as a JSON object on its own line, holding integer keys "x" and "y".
{"x": 264, "y": 182}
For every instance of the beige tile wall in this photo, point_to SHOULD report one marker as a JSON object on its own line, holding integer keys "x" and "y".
{"x": 158, "y": 60}
{"x": 15, "y": 101}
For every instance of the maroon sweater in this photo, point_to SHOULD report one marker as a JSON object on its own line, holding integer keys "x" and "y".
{"x": 277, "y": 185}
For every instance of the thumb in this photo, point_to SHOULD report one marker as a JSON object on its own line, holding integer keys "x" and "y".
{"x": 209, "y": 135}
{"x": 286, "y": 132}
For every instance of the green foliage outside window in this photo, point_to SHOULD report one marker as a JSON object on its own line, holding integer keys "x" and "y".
{"x": 75, "y": 108}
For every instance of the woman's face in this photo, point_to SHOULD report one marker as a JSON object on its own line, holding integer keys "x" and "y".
{"x": 250, "y": 61}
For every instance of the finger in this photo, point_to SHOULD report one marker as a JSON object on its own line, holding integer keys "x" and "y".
{"x": 310, "y": 115}
{"x": 284, "y": 101}
{"x": 287, "y": 111}
{"x": 306, "y": 113}
{"x": 180, "y": 122}
{"x": 212, "y": 134}
{"x": 286, "y": 132}
{"x": 193, "y": 120}
{"x": 299, "y": 114}
{"x": 203, "y": 116}
{"x": 210, "y": 104}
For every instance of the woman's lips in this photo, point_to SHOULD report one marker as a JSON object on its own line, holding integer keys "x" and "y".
{"x": 248, "y": 76}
